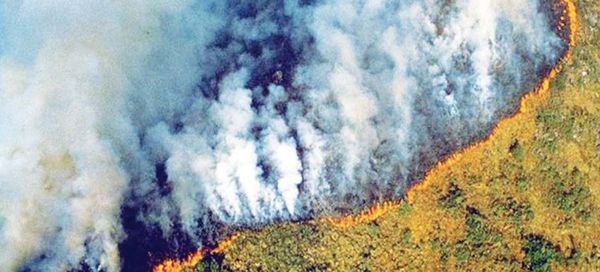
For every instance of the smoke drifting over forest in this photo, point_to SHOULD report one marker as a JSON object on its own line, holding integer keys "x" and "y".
{"x": 127, "y": 119}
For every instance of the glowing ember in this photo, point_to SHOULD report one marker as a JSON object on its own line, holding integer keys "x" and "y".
{"x": 567, "y": 19}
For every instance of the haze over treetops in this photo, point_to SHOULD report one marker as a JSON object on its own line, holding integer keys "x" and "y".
{"x": 528, "y": 198}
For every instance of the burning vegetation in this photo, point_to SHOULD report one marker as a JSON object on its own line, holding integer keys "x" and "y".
{"x": 525, "y": 198}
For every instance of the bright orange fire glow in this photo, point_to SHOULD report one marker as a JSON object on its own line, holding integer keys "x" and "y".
{"x": 567, "y": 19}
{"x": 368, "y": 215}
{"x": 192, "y": 260}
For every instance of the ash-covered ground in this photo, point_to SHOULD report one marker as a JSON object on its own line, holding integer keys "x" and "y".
{"x": 135, "y": 130}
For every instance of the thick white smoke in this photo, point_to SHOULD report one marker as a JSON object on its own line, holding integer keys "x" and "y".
{"x": 254, "y": 110}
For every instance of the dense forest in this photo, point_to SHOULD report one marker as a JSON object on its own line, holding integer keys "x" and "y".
{"x": 528, "y": 198}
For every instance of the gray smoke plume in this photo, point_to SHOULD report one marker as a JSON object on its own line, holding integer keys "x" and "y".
{"x": 194, "y": 115}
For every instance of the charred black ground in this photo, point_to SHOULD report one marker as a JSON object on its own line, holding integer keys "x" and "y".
{"x": 146, "y": 245}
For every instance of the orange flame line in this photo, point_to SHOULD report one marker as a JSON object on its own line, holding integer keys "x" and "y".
{"x": 192, "y": 260}
{"x": 568, "y": 17}
{"x": 368, "y": 215}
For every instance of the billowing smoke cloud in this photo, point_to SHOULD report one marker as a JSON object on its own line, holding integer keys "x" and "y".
{"x": 187, "y": 116}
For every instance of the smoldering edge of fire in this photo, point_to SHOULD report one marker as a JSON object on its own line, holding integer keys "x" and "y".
{"x": 192, "y": 114}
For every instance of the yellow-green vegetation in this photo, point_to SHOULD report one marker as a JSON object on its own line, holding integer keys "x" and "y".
{"x": 527, "y": 199}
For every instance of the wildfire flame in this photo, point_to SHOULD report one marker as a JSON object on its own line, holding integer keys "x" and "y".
{"x": 368, "y": 215}
{"x": 171, "y": 265}
{"x": 568, "y": 19}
